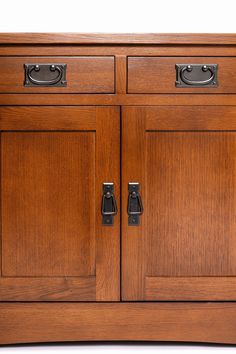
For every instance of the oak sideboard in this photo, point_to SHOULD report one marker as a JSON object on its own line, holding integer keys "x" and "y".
{"x": 118, "y": 187}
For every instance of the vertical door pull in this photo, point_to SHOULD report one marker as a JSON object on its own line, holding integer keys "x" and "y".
{"x": 109, "y": 207}
{"x": 135, "y": 206}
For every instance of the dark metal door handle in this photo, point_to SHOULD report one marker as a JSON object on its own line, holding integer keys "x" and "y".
{"x": 135, "y": 205}
{"x": 196, "y": 75}
{"x": 37, "y": 74}
{"x": 109, "y": 206}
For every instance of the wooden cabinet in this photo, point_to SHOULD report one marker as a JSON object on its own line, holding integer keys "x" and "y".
{"x": 153, "y": 118}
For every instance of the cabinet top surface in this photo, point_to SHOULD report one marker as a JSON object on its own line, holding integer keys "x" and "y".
{"x": 118, "y": 38}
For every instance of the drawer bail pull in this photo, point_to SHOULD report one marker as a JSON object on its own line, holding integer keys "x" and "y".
{"x": 109, "y": 207}
{"x": 197, "y": 74}
{"x": 135, "y": 205}
{"x": 38, "y": 75}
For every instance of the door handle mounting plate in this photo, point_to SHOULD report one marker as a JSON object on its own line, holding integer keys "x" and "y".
{"x": 109, "y": 207}
{"x": 135, "y": 205}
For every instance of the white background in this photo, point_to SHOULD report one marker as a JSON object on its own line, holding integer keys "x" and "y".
{"x": 118, "y": 16}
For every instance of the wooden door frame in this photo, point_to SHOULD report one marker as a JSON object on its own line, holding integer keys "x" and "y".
{"x": 136, "y": 284}
{"x": 105, "y": 285}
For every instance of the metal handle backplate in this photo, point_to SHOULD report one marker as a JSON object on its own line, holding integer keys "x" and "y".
{"x": 109, "y": 207}
{"x": 135, "y": 205}
{"x": 45, "y": 75}
{"x": 196, "y": 75}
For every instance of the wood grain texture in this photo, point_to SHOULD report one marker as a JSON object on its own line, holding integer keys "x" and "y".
{"x": 158, "y": 74}
{"x": 117, "y": 50}
{"x": 187, "y": 182}
{"x": 133, "y": 170}
{"x": 118, "y": 38}
{"x": 196, "y": 118}
{"x": 83, "y": 74}
{"x": 116, "y": 100}
{"x": 190, "y": 288}
{"x": 44, "y": 176}
{"x": 187, "y": 322}
{"x": 48, "y": 289}
{"x": 121, "y": 74}
{"x": 191, "y": 214}
{"x": 47, "y": 118}
{"x": 107, "y": 170}
{"x": 51, "y": 203}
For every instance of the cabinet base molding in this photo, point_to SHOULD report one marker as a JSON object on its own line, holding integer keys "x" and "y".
{"x": 177, "y": 321}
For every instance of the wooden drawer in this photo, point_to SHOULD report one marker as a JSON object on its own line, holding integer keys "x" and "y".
{"x": 85, "y": 74}
{"x": 158, "y": 75}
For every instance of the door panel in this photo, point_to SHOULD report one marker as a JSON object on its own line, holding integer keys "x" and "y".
{"x": 185, "y": 162}
{"x": 44, "y": 178}
{"x": 189, "y": 205}
{"x": 54, "y": 246}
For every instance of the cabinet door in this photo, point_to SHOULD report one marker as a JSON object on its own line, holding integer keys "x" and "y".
{"x": 184, "y": 159}
{"x": 54, "y": 161}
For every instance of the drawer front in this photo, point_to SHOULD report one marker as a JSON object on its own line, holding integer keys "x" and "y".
{"x": 87, "y": 74}
{"x": 163, "y": 75}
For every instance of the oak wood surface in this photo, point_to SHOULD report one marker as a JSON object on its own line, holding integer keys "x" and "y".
{"x": 120, "y": 38}
{"x": 190, "y": 288}
{"x": 47, "y": 118}
{"x": 51, "y": 203}
{"x": 116, "y": 50}
{"x": 117, "y": 100}
{"x": 48, "y": 288}
{"x": 185, "y": 166}
{"x": 121, "y": 74}
{"x": 83, "y": 74}
{"x": 133, "y": 170}
{"x": 52, "y": 322}
{"x": 174, "y": 118}
{"x": 47, "y": 220}
{"x": 158, "y": 74}
{"x": 190, "y": 204}
{"x": 107, "y": 170}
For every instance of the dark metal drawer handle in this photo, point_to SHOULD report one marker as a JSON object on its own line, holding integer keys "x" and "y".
{"x": 189, "y": 68}
{"x": 45, "y": 82}
{"x": 109, "y": 207}
{"x": 59, "y": 69}
{"x": 135, "y": 205}
{"x": 197, "y": 71}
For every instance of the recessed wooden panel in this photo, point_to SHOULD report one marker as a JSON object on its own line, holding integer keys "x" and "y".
{"x": 185, "y": 162}
{"x": 46, "y": 178}
{"x": 158, "y": 74}
{"x": 85, "y": 74}
{"x": 190, "y": 203}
